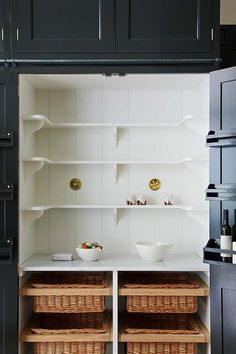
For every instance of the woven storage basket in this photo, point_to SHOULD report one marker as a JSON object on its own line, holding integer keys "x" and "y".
{"x": 70, "y": 348}
{"x": 73, "y": 303}
{"x": 160, "y": 324}
{"x": 161, "y": 348}
{"x": 161, "y": 304}
{"x": 57, "y": 324}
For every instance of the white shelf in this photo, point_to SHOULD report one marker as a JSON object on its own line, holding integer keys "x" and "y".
{"x": 34, "y": 212}
{"x": 117, "y": 262}
{"x": 34, "y": 164}
{"x": 36, "y": 122}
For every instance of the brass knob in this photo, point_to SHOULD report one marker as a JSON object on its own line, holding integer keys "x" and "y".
{"x": 155, "y": 184}
{"x": 75, "y": 184}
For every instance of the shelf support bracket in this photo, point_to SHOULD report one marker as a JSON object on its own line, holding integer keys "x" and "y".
{"x": 115, "y": 173}
{"x": 115, "y": 217}
{"x": 115, "y": 137}
{"x": 32, "y": 215}
{"x": 30, "y": 167}
{"x": 32, "y": 126}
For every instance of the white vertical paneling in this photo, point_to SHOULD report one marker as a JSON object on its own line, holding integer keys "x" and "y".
{"x": 62, "y": 230}
{"x": 141, "y": 106}
{"x": 88, "y": 106}
{"x": 62, "y": 106}
{"x": 167, "y": 106}
{"x": 114, "y": 106}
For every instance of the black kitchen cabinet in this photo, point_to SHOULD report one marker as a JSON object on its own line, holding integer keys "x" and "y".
{"x": 165, "y": 26}
{"x": 223, "y": 309}
{"x": 119, "y": 29}
{"x": 228, "y": 45}
{"x": 8, "y": 212}
{"x": 63, "y": 27}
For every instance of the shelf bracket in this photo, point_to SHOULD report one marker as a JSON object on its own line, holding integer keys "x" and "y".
{"x": 32, "y": 126}
{"x": 115, "y": 137}
{"x": 30, "y": 167}
{"x": 32, "y": 215}
{"x": 115, "y": 173}
{"x": 115, "y": 217}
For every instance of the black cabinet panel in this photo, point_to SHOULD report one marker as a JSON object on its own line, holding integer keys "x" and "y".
{"x": 223, "y": 309}
{"x": 65, "y": 26}
{"x": 164, "y": 26}
{"x": 228, "y": 45}
{"x": 8, "y": 215}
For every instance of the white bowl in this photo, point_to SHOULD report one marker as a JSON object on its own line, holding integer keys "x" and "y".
{"x": 90, "y": 254}
{"x": 153, "y": 251}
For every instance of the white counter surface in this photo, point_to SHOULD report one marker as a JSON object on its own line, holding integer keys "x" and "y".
{"x": 117, "y": 262}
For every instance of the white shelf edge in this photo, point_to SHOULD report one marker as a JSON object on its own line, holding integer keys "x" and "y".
{"x": 111, "y": 162}
{"x": 115, "y": 206}
{"x": 48, "y": 124}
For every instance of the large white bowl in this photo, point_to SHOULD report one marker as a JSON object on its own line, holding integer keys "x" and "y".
{"x": 90, "y": 254}
{"x": 153, "y": 251}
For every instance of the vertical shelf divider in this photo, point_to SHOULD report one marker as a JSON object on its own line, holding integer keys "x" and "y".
{"x": 115, "y": 312}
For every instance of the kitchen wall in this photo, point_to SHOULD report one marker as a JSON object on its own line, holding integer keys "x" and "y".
{"x": 228, "y": 12}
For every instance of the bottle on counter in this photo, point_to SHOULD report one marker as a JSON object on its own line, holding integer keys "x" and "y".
{"x": 233, "y": 231}
{"x": 226, "y": 237}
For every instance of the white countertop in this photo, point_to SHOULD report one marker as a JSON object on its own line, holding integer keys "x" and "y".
{"x": 117, "y": 262}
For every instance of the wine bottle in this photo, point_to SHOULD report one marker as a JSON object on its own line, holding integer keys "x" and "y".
{"x": 226, "y": 237}
{"x": 233, "y": 231}
{"x": 234, "y": 228}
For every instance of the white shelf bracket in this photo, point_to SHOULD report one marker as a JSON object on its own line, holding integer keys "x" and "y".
{"x": 32, "y": 215}
{"x": 32, "y": 126}
{"x": 30, "y": 167}
{"x": 115, "y": 217}
{"x": 115, "y": 173}
{"x": 115, "y": 137}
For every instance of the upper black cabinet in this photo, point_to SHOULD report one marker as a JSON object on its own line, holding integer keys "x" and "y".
{"x": 164, "y": 26}
{"x": 64, "y": 27}
{"x": 115, "y": 29}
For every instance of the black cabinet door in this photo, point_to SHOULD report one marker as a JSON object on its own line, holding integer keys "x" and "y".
{"x": 164, "y": 26}
{"x": 228, "y": 45}
{"x": 61, "y": 27}
{"x": 8, "y": 212}
{"x": 223, "y": 309}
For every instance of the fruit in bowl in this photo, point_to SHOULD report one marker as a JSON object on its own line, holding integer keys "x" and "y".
{"x": 89, "y": 251}
{"x": 153, "y": 251}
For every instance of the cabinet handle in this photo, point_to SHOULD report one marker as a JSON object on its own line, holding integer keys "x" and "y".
{"x": 6, "y": 140}
{"x": 221, "y": 138}
{"x": 6, "y": 250}
{"x": 221, "y": 192}
{"x": 7, "y": 191}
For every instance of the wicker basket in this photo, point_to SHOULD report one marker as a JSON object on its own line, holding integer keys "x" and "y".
{"x": 70, "y": 348}
{"x": 160, "y": 324}
{"x": 72, "y": 303}
{"x": 161, "y": 348}
{"x": 72, "y": 324}
{"x": 161, "y": 304}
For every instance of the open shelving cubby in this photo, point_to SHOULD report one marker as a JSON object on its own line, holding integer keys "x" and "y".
{"x": 115, "y": 135}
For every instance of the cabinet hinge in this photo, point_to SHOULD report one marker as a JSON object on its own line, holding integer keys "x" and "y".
{"x": 212, "y": 34}
{"x": 17, "y": 34}
{"x": 2, "y": 34}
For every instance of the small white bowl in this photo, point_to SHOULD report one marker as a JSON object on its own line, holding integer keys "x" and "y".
{"x": 153, "y": 251}
{"x": 89, "y": 254}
